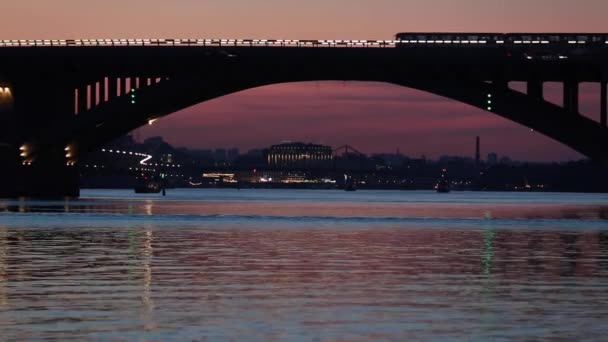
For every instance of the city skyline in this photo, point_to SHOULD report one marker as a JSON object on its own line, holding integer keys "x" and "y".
{"x": 230, "y": 151}
{"x": 374, "y": 117}
{"x": 434, "y": 116}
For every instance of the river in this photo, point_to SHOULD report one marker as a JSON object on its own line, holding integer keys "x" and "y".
{"x": 302, "y": 265}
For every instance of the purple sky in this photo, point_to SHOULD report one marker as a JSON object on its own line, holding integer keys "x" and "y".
{"x": 372, "y": 117}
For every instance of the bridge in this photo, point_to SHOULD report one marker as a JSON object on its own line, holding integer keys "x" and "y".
{"x": 61, "y": 99}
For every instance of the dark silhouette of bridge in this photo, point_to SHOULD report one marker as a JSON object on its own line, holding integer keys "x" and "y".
{"x": 61, "y": 99}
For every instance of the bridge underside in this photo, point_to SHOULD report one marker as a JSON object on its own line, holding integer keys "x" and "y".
{"x": 112, "y": 120}
{"x": 60, "y": 138}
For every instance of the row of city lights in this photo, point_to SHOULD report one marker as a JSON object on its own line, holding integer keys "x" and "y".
{"x": 142, "y": 169}
{"x": 125, "y": 152}
{"x": 144, "y": 161}
{"x": 132, "y": 169}
{"x": 25, "y": 153}
{"x": 251, "y": 42}
{"x": 154, "y": 170}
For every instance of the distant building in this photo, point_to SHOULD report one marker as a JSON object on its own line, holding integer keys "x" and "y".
{"x": 456, "y": 160}
{"x": 300, "y": 156}
{"x": 232, "y": 155}
{"x": 492, "y": 158}
{"x": 167, "y": 158}
{"x": 255, "y": 152}
{"x": 391, "y": 160}
{"x": 506, "y": 160}
{"x": 155, "y": 142}
{"x": 219, "y": 155}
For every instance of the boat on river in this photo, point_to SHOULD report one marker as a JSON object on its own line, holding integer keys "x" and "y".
{"x": 148, "y": 187}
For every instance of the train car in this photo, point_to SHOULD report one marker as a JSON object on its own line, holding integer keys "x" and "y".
{"x": 516, "y": 46}
{"x": 553, "y": 46}
{"x": 453, "y": 38}
{"x": 557, "y": 39}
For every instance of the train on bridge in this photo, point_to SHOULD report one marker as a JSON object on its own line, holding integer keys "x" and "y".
{"x": 541, "y": 46}
{"x": 426, "y": 39}
{"x": 500, "y": 39}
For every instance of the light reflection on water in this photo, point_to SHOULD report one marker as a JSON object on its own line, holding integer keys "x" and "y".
{"x": 150, "y": 269}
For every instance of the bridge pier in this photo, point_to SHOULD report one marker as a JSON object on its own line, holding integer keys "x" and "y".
{"x": 604, "y": 105}
{"x": 47, "y": 177}
{"x": 127, "y": 85}
{"x": 571, "y": 96}
{"x": 33, "y": 162}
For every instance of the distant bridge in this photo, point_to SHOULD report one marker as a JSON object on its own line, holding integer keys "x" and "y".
{"x": 61, "y": 99}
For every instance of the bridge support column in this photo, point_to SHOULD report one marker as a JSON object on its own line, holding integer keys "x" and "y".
{"x": 571, "y": 96}
{"x": 535, "y": 90}
{"x": 111, "y": 88}
{"x": 97, "y": 99}
{"x": 604, "y": 105}
{"x": 127, "y": 85}
{"x": 33, "y": 160}
{"x": 82, "y": 99}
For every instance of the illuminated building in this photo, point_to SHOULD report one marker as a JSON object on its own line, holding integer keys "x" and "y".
{"x": 219, "y": 177}
{"x": 300, "y": 156}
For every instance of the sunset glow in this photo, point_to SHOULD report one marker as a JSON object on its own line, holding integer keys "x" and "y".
{"x": 373, "y": 117}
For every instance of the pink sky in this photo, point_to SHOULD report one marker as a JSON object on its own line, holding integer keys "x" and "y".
{"x": 370, "y": 116}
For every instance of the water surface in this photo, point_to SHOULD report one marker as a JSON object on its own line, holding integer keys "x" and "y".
{"x": 304, "y": 265}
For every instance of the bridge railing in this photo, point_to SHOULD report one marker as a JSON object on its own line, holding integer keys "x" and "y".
{"x": 201, "y": 42}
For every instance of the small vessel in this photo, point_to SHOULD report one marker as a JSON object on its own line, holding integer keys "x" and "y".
{"x": 148, "y": 187}
{"x": 349, "y": 183}
{"x": 443, "y": 186}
